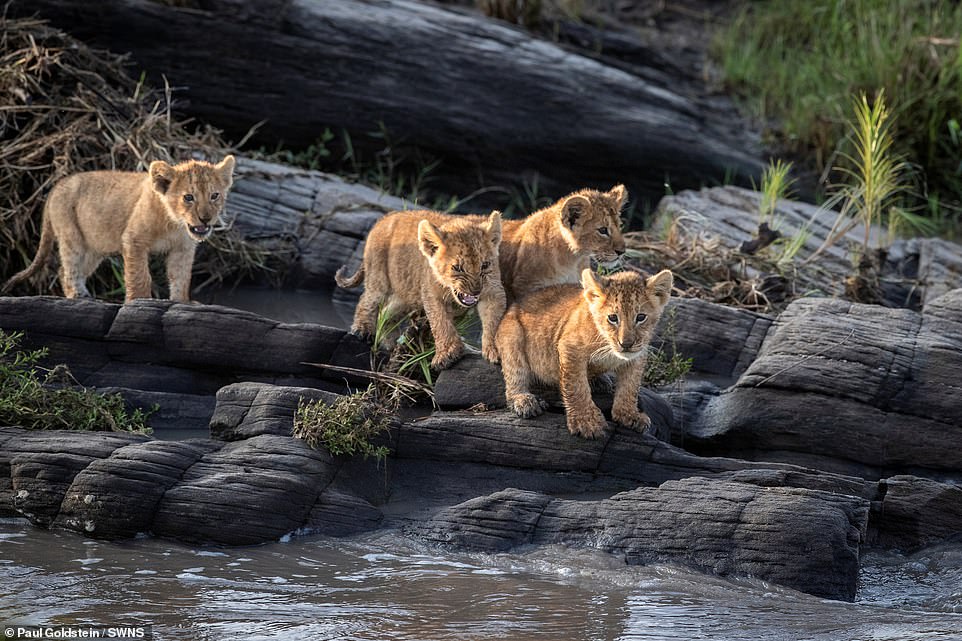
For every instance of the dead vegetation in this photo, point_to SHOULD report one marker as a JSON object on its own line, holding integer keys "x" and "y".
{"x": 66, "y": 108}
{"x": 705, "y": 267}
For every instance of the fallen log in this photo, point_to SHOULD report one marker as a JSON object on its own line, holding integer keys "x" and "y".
{"x": 485, "y": 97}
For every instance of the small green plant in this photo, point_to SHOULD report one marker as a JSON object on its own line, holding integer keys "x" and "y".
{"x": 314, "y": 156}
{"x": 48, "y": 402}
{"x": 348, "y": 426}
{"x": 875, "y": 174}
{"x": 411, "y": 353}
{"x": 665, "y": 364}
{"x": 776, "y": 185}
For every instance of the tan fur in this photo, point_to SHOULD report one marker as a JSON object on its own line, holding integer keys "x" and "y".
{"x": 410, "y": 261}
{"x": 562, "y": 335}
{"x": 94, "y": 214}
{"x": 552, "y": 246}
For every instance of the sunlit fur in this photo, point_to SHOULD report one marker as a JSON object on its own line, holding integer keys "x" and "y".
{"x": 562, "y": 335}
{"x": 553, "y": 245}
{"x": 426, "y": 260}
{"x": 94, "y": 214}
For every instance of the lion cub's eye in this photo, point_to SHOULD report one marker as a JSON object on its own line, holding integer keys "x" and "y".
{"x": 485, "y": 265}
{"x": 214, "y": 196}
{"x": 641, "y": 318}
{"x": 188, "y": 198}
{"x": 613, "y": 319}
{"x": 458, "y": 268}
{"x": 603, "y": 231}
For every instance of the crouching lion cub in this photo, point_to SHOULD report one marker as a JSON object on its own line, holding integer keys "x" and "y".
{"x": 426, "y": 260}
{"x": 567, "y": 334}
{"x": 169, "y": 209}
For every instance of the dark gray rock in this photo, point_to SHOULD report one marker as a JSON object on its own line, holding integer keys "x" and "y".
{"x": 720, "y": 527}
{"x": 338, "y": 513}
{"x": 172, "y": 412}
{"x": 246, "y": 492}
{"x": 117, "y": 497}
{"x": 250, "y": 409}
{"x": 857, "y": 389}
{"x": 36, "y": 468}
{"x": 55, "y": 316}
{"x": 197, "y": 336}
{"x": 916, "y": 512}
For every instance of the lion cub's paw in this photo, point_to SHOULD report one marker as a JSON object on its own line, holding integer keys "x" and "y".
{"x": 490, "y": 353}
{"x": 634, "y": 419}
{"x": 587, "y": 424}
{"x": 444, "y": 359}
{"x": 527, "y": 405}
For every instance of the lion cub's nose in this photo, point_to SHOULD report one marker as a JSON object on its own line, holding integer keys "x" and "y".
{"x": 626, "y": 344}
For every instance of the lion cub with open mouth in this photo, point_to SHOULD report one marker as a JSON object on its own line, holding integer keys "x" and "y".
{"x": 426, "y": 260}
{"x": 567, "y": 334}
{"x": 169, "y": 209}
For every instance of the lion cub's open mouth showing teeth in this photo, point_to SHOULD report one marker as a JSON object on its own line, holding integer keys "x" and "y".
{"x": 467, "y": 299}
{"x": 200, "y": 230}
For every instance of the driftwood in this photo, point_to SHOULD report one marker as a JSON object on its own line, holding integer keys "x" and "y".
{"x": 480, "y": 94}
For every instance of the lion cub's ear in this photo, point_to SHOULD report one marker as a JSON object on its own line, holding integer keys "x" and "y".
{"x": 592, "y": 284}
{"x": 619, "y": 195}
{"x": 429, "y": 239}
{"x": 660, "y": 286}
{"x": 573, "y": 210}
{"x": 226, "y": 169}
{"x": 494, "y": 227}
{"x": 161, "y": 175}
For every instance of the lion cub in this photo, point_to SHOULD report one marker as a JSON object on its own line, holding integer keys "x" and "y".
{"x": 426, "y": 260}
{"x": 168, "y": 209}
{"x": 553, "y": 245}
{"x": 567, "y": 335}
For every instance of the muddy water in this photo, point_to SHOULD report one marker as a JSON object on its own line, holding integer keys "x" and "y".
{"x": 386, "y": 586}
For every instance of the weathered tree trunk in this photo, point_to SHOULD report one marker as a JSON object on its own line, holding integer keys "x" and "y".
{"x": 486, "y": 97}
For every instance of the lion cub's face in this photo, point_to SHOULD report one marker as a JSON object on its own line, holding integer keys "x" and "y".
{"x": 193, "y": 192}
{"x": 625, "y": 308}
{"x": 591, "y": 223}
{"x": 463, "y": 255}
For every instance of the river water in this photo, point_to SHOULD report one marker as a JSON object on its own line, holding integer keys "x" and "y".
{"x": 387, "y": 586}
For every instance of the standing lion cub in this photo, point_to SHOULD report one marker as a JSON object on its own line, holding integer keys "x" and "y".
{"x": 553, "y": 245}
{"x": 567, "y": 334}
{"x": 426, "y": 260}
{"x": 168, "y": 209}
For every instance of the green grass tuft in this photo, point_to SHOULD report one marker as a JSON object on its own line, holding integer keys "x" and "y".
{"x": 348, "y": 426}
{"x": 49, "y": 402}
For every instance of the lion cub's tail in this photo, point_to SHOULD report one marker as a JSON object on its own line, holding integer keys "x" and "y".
{"x": 353, "y": 281}
{"x": 43, "y": 252}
